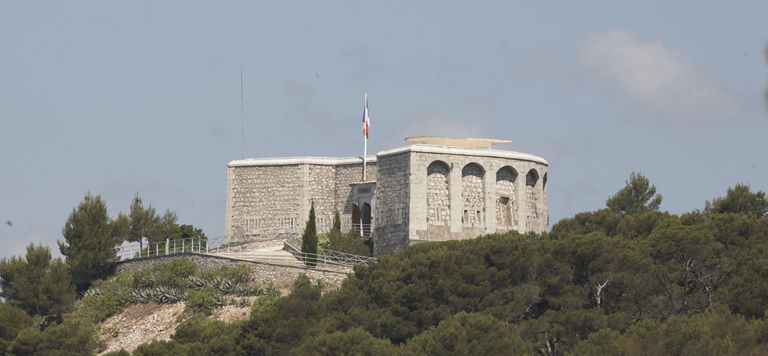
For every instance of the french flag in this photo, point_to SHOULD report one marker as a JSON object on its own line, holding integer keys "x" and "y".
{"x": 366, "y": 119}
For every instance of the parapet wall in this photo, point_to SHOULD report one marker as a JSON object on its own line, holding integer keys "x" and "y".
{"x": 261, "y": 273}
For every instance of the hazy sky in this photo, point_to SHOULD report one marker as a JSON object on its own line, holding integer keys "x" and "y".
{"x": 118, "y": 98}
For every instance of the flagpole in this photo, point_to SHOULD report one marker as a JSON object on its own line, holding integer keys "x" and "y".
{"x": 365, "y": 135}
{"x": 365, "y": 154}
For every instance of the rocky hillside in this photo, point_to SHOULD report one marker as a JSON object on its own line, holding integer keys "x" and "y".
{"x": 142, "y": 323}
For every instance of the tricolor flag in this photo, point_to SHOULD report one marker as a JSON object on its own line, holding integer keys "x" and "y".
{"x": 366, "y": 119}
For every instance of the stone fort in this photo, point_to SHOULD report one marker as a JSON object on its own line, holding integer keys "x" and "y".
{"x": 436, "y": 189}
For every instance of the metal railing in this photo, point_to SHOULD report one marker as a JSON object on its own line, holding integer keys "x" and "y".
{"x": 345, "y": 258}
{"x": 289, "y": 232}
{"x": 167, "y": 247}
{"x": 365, "y": 229}
{"x": 218, "y": 247}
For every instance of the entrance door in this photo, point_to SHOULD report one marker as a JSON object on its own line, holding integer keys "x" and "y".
{"x": 366, "y": 220}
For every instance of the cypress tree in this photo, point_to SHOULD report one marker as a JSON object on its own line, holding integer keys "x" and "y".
{"x": 309, "y": 239}
{"x": 337, "y": 222}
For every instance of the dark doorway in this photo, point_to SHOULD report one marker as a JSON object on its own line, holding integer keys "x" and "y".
{"x": 355, "y": 216}
{"x": 366, "y": 219}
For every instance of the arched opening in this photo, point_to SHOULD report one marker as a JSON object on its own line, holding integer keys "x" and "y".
{"x": 472, "y": 194}
{"x": 438, "y": 195}
{"x": 506, "y": 200}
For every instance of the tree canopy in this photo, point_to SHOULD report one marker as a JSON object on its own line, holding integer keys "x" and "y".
{"x": 36, "y": 283}
{"x": 145, "y": 223}
{"x": 89, "y": 244}
{"x": 739, "y": 199}
{"x": 637, "y": 196}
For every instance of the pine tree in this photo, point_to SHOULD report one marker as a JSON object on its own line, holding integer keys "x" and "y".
{"x": 88, "y": 245}
{"x": 37, "y": 283}
{"x": 309, "y": 239}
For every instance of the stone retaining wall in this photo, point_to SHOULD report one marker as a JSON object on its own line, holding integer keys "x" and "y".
{"x": 261, "y": 273}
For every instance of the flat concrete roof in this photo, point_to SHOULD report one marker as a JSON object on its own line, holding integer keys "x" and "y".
{"x": 426, "y": 144}
{"x": 483, "y": 152}
{"x": 289, "y": 161}
{"x": 456, "y": 141}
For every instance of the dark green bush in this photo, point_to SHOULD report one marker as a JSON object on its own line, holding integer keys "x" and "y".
{"x": 241, "y": 273}
{"x": 175, "y": 273}
{"x": 106, "y": 298}
{"x": 204, "y": 299}
{"x": 351, "y": 242}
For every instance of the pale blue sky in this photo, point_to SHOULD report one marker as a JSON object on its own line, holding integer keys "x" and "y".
{"x": 119, "y": 98}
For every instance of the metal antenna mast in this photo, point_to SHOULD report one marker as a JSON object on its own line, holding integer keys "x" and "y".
{"x": 242, "y": 115}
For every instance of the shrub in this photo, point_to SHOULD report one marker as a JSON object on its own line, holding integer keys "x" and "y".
{"x": 175, "y": 273}
{"x": 106, "y": 298}
{"x": 143, "y": 279}
{"x": 204, "y": 299}
{"x": 351, "y": 242}
{"x": 241, "y": 273}
{"x": 322, "y": 240}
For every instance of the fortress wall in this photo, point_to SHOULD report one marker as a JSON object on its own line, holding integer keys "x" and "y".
{"x": 474, "y": 196}
{"x": 263, "y": 197}
{"x": 391, "y": 207}
{"x": 322, "y": 191}
{"x": 261, "y": 273}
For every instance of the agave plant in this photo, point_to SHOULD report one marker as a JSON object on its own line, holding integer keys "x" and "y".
{"x": 197, "y": 282}
{"x": 272, "y": 289}
{"x": 141, "y": 295}
{"x": 94, "y": 292}
{"x": 220, "y": 301}
{"x": 166, "y": 294}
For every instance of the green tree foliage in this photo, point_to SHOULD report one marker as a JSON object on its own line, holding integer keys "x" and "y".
{"x": 37, "y": 283}
{"x": 351, "y": 242}
{"x": 276, "y": 328}
{"x": 309, "y": 239}
{"x": 638, "y": 195}
{"x": 12, "y": 321}
{"x": 739, "y": 199}
{"x": 625, "y": 281}
{"x": 336, "y": 222}
{"x": 203, "y": 299}
{"x": 89, "y": 242}
{"x": 175, "y": 273}
{"x": 188, "y": 231}
{"x": 353, "y": 342}
{"x": 469, "y": 334}
{"x": 75, "y": 336}
{"x": 106, "y": 297}
{"x": 145, "y": 223}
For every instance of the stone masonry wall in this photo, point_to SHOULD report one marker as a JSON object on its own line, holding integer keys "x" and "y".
{"x": 473, "y": 187}
{"x": 472, "y": 195}
{"x": 264, "y": 197}
{"x": 438, "y": 198}
{"x": 322, "y": 187}
{"x": 506, "y": 207}
{"x": 391, "y": 208}
{"x": 261, "y": 273}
